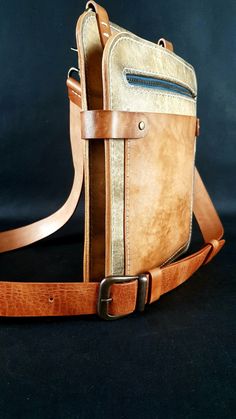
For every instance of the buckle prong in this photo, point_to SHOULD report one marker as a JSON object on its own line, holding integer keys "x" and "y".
{"x": 107, "y": 300}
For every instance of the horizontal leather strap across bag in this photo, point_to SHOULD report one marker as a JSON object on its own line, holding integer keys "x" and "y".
{"x": 133, "y": 128}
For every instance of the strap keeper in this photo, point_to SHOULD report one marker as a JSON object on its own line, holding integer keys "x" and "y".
{"x": 215, "y": 244}
{"x": 197, "y": 127}
{"x": 106, "y": 124}
{"x": 74, "y": 91}
{"x": 155, "y": 276}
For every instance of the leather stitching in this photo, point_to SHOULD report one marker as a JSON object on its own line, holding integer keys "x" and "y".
{"x": 127, "y": 208}
{"x": 154, "y": 48}
{"x": 186, "y": 244}
{"x": 185, "y": 247}
{"x": 90, "y": 204}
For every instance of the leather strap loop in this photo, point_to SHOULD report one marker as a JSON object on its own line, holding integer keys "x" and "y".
{"x": 102, "y": 21}
{"x": 216, "y": 245}
{"x": 155, "y": 281}
{"x": 162, "y": 42}
{"x": 103, "y": 124}
{"x": 74, "y": 91}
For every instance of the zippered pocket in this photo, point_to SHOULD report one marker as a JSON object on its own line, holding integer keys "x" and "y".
{"x": 159, "y": 84}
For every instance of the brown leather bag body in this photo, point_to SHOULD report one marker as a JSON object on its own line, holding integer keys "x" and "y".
{"x": 133, "y": 129}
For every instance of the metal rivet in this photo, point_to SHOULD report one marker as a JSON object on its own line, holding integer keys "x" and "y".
{"x": 141, "y": 125}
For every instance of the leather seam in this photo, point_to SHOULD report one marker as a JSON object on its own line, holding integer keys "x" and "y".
{"x": 112, "y": 188}
{"x": 90, "y": 154}
{"x": 112, "y": 195}
{"x": 127, "y": 207}
{"x": 154, "y": 48}
{"x": 90, "y": 234}
{"x": 112, "y": 49}
{"x": 185, "y": 247}
{"x": 86, "y": 261}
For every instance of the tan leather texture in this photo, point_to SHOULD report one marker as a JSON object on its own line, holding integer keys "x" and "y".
{"x": 23, "y": 236}
{"x": 125, "y": 53}
{"x": 159, "y": 178}
{"x": 137, "y": 159}
{"x": 90, "y": 48}
{"x": 74, "y": 91}
{"x": 165, "y": 44}
{"x": 102, "y": 21}
{"x": 90, "y": 55}
{"x": 114, "y": 124}
{"x": 167, "y": 147}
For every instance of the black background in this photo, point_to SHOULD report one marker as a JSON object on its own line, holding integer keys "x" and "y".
{"x": 176, "y": 360}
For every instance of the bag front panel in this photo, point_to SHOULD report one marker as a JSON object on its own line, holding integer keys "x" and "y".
{"x": 149, "y": 183}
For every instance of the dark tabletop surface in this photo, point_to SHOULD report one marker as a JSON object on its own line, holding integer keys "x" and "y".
{"x": 176, "y": 360}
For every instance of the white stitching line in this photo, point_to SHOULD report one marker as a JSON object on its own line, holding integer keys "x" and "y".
{"x": 88, "y": 19}
{"x": 112, "y": 197}
{"x": 162, "y": 50}
{"x": 143, "y": 42}
{"x": 155, "y": 48}
{"x": 128, "y": 160}
{"x": 75, "y": 93}
{"x": 88, "y": 241}
{"x": 87, "y": 218}
{"x": 187, "y": 243}
{"x": 90, "y": 216}
{"x": 128, "y": 145}
{"x": 127, "y": 205}
{"x": 84, "y": 39}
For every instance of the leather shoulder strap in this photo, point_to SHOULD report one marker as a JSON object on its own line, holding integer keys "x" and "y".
{"x": 23, "y": 236}
{"x": 61, "y": 299}
{"x": 169, "y": 277}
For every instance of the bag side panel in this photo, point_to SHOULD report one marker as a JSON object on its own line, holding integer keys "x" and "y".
{"x": 90, "y": 53}
{"x": 90, "y": 62}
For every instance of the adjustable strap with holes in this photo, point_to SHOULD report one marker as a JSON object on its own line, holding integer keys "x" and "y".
{"x": 121, "y": 294}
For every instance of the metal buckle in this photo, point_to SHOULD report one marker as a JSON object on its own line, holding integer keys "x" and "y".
{"x": 104, "y": 297}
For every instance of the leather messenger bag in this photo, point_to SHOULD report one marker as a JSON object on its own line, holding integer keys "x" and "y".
{"x": 133, "y": 130}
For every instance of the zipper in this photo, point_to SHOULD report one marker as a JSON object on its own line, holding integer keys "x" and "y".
{"x": 160, "y": 84}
